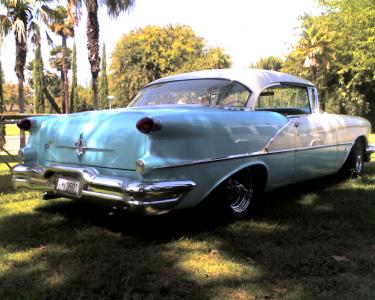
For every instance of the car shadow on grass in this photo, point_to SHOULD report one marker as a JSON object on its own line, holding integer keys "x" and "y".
{"x": 178, "y": 224}
{"x": 312, "y": 240}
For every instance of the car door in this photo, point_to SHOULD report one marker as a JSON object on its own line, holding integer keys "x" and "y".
{"x": 309, "y": 135}
{"x": 315, "y": 142}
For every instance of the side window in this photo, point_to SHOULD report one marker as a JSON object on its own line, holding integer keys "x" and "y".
{"x": 285, "y": 99}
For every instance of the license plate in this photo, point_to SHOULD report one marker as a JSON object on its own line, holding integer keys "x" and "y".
{"x": 68, "y": 186}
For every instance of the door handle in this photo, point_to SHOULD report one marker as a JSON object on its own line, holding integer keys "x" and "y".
{"x": 296, "y": 124}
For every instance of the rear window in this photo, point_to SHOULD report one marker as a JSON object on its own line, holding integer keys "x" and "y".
{"x": 198, "y": 91}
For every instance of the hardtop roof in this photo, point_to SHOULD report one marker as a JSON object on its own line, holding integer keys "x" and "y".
{"x": 255, "y": 79}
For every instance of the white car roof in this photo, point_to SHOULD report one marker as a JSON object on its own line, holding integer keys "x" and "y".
{"x": 255, "y": 79}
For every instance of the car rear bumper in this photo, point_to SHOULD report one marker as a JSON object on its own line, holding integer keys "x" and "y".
{"x": 140, "y": 197}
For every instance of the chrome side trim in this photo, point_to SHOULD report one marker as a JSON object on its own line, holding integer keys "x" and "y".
{"x": 321, "y": 147}
{"x": 279, "y": 131}
{"x": 144, "y": 197}
{"x": 247, "y": 155}
{"x": 204, "y": 161}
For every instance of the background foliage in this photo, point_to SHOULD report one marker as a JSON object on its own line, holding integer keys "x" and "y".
{"x": 152, "y": 52}
{"x": 342, "y": 42}
{"x": 336, "y": 49}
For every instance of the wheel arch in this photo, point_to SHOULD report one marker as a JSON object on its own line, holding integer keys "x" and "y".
{"x": 256, "y": 167}
{"x": 349, "y": 165}
{"x": 363, "y": 139}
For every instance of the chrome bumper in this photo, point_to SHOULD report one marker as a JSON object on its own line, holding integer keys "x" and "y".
{"x": 369, "y": 150}
{"x": 141, "y": 197}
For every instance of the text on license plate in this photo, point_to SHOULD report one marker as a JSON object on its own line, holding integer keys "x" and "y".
{"x": 68, "y": 186}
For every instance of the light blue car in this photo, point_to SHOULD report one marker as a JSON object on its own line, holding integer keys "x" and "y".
{"x": 186, "y": 137}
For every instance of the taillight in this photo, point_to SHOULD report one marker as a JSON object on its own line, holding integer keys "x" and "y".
{"x": 148, "y": 125}
{"x": 24, "y": 124}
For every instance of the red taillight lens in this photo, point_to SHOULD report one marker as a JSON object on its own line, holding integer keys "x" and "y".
{"x": 24, "y": 124}
{"x": 148, "y": 125}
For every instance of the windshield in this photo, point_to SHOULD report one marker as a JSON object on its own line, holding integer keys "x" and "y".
{"x": 197, "y": 91}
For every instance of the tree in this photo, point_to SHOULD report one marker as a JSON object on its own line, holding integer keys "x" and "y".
{"x": 152, "y": 52}
{"x": 64, "y": 27}
{"x": 38, "y": 81}
{"x": 20, "y": 18}
{"x": 10, "y": 96}
{"x": 2, "y": 126}
{"x": 50, "y": 87}
{"x": 85, "y": 96}
{"x": 56, "y": 62}
{"x": 74, "y": 92}
{"x": 269, "y": 63}
{"x": 354, "y": 23}
{"x": 103, "y": 82}
{"x": 114, "y": 8}
{"x": 316, "y": 42}
{"x": 2, "y": 102}
{"x": 339, "y": 50}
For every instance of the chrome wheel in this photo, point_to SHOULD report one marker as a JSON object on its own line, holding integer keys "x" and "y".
{"x": 240, "y": 190}
{"x": 357, "y": 158}
{"x": 354, "y": 163}
{"x": 359, "y": 163}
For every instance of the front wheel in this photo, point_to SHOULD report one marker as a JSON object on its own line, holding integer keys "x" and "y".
{"x": 355, "y": 160}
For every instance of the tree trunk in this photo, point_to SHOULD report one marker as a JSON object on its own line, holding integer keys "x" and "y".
{"x": 51, "y": 100}
{"x": 65, "y": 82}
{"x": 93, "y": 47}
{"x": 21, "y": 52}
{"x": 62, "y": 80}
{"x": 95, "y": 96}
{"x": 314, "y": 70}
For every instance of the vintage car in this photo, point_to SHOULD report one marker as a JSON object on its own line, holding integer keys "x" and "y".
{"x": 184, "y": 138}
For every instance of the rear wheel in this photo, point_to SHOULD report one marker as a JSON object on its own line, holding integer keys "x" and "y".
{"x": 237, "y": 194}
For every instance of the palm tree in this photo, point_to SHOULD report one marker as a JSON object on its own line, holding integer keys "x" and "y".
{"x": 21, "y": 18}
{"x": 114, "y": 8}
{"x": 316, "y": 43}
{"x": 63, "y": 26}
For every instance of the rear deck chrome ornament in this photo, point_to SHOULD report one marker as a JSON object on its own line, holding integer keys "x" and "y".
{"x": 80, "y": 147}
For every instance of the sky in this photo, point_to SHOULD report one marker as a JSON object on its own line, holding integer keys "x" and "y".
{"x": 246, "y": 29}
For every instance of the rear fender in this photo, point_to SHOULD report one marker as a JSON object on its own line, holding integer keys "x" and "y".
{"x": 257, "y": 165}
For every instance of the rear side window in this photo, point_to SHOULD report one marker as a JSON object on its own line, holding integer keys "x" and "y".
{"x": 285, "y": 99}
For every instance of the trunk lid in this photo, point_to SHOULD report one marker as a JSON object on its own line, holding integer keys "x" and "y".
{"x": 107, "y": 139}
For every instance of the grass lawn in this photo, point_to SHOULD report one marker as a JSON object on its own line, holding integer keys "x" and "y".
{"x": 311, "y": 241}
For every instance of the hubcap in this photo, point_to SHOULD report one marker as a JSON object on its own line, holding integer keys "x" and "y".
{"x": 359, "y": 163}
{"x": 240, "y": 192}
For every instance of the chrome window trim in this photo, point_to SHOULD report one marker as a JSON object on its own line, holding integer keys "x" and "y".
{"x": 280, "y": 84}
{"x": 278, "y": 132}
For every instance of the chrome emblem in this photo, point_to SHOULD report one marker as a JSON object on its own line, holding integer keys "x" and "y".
{"x": 80, "y": 147}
